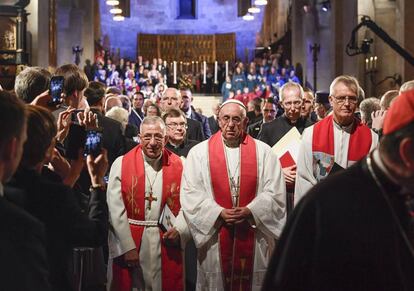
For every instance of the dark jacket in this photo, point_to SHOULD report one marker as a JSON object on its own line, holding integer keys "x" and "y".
{"x": 273, "y": 131}
{"x": 67, "y": 226}
{"x": 343, "y": 235}
{"x": 183, "y": 149}
{"x": 255, "y": 128}
{"x": 204, "y": 121}
{"x": 23, "y": 264}
{"x": 213, "y": 123}
{"x": 195, "y": 130}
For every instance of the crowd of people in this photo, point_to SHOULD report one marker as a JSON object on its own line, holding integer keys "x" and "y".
{"x": 129, "y": 191}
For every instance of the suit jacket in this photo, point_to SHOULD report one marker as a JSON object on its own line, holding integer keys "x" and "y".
{"x": 213, "y": 123}
{"x": 113, "y": 140}
{"x": 195, "y": 130}
{"x": 133, "y": 119}
{"x": 273, "y": 131}
{"x": 255, "y": 128}
{"x": 183, "y": 149}
{"x": 343, "y": 236}
{"x": 204, "y": 121}
{"x": 67, "y": 226}
{"x": 23, "y": 264}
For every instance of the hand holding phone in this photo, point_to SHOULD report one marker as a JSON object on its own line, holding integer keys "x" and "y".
{"x": 56, "y": 89}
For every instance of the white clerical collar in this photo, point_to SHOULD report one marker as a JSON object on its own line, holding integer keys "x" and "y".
{"x": 347, "y": 128}
{"x": 154, "y": 163}
{"x": 1, "y": 190}
{"x": 188, "y": 113}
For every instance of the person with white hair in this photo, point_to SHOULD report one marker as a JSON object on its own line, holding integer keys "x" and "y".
{"x": 233, "y": 197}
{"x": 338, "y": 141}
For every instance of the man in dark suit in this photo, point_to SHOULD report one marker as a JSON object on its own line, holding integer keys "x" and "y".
{"x": 113, "y": 140}
{"x": 269, "y": 109}
{"x": 187, "y": 108}
{"x": 136, "y": 116}
{"x": 23, "y": 263}
{"x": 212, "y": 120}
{"x": 171, "y": 99}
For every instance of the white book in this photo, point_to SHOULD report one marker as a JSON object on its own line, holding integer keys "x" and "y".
{"x": 167, "y": 219}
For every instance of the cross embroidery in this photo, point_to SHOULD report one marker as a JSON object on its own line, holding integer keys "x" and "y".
{"x": 150, "y": 198}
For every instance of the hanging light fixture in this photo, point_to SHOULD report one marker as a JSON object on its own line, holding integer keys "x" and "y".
{"x": 118, "y": 17}
{"x": 115, "y": 10}
{"x": 254, "y": 9}
{"x": 248, "y": 17}
{"x": 112, "y": 2}
{"x": 260, "y": 2}
{"x": 326, "y": 5}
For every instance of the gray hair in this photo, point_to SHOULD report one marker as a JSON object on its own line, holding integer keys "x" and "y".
{"x": 349, "y": 81}
{"x": 119, "y": 114}
{"x": 31, "y": 82}
{"x": 409, "y": 85}
{"x": 368, "y": 106}
{"x": 154, "y": 120}
{"x": 290, "y": 85}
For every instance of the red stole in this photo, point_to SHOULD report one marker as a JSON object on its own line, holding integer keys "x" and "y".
{"x": 323, "y": 145}
{"x": 236, "y": 242}
{"x": 133, "y": 193}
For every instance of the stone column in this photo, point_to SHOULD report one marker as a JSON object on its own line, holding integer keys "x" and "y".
{"x": 21, "y": 53}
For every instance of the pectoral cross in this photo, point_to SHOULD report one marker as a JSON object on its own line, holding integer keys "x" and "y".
{"x": 150, "y": 198}
{"x": 241, "y": 277}
{"x": 234, "y": 188}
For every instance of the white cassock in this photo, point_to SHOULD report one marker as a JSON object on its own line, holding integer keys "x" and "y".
{"x": 305, "y": 171}
{"x": 203, "y": 213}
{"x": 120, "y": 239}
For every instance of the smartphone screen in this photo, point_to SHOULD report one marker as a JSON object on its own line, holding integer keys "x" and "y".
{"x": 56, "y": 89}
{"x": 93, "y": 144}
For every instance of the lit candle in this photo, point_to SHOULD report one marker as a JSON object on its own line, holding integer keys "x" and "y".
{"x": 175, "y": 72}
{"x": 375, "y": 62}
{"x": 192, "y": 67}
{"x": 181, "y": 67}
{"x": 215, "y": 72}
{"x": 205, "y": 73}
{"x": 197, "y": 67}
{"x": 366, "y": 64}
{"x": 227, "y": 69}
{"x": 165, "y": 64}
{"x": 371, "y": 62}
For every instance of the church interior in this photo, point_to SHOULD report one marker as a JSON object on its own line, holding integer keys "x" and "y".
{"x": 370, "y": 40}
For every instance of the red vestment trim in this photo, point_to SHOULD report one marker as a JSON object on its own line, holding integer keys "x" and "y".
{"x": 133, "y": 193}
{"x": 323, "y": 140}
{"x": 236, "y": 242}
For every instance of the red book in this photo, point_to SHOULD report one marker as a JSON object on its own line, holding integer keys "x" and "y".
{"x": 286, "y": 160}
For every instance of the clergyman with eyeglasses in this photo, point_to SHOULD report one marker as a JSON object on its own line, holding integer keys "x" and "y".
{"x": 233, "y": 197}
{"x": 176, "y": 123}
{"x": 338, "y": 141}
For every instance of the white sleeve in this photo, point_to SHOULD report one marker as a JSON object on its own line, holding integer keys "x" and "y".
{"x": 305, "y": 178}
{"x": 182, "y": 228}
{"x": 120, "y": 239}
{"x": 200, "y": 209}
{"x": 269, "y": 206}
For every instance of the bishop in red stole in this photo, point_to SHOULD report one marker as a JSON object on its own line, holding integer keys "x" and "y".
{"x": 133, "y": 194}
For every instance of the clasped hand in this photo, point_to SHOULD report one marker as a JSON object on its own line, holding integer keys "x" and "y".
{"x": 235, "y": 215}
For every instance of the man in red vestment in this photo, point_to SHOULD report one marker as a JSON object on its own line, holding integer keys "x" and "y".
{"x": 142, "y": 184}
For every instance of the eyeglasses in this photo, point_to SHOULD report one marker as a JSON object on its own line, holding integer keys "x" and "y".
{"x": 341, "y": 99}
{"x": 296, "y": 104}
{"x": 236, "y": 119}
{"x": 148, "y": 137}
{"x": 269, "y": 110}
{"x": 174, "y": 126}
